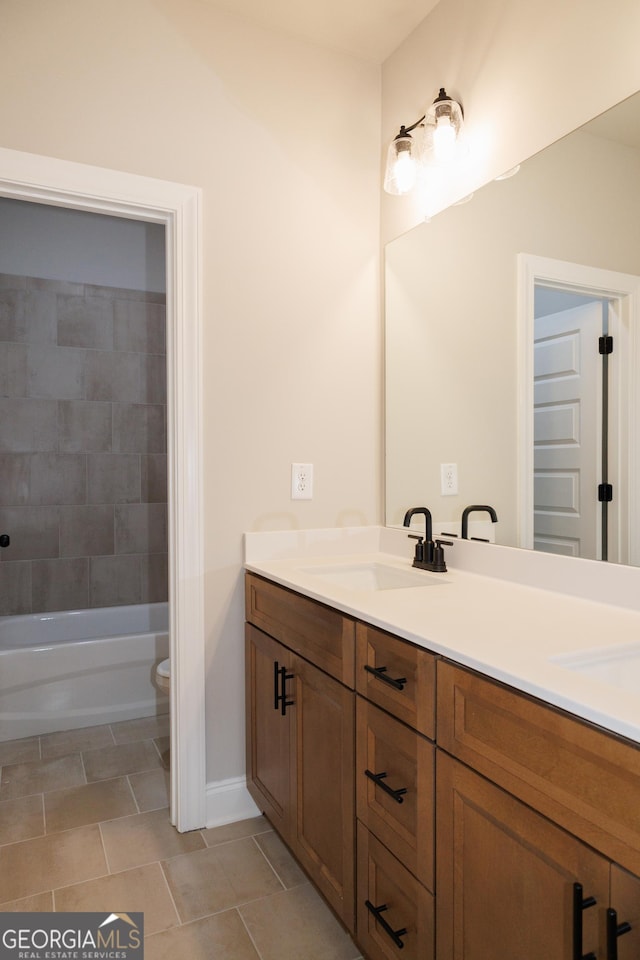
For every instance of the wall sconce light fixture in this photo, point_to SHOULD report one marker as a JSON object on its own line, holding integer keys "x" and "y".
{"x": 436, "y": 141}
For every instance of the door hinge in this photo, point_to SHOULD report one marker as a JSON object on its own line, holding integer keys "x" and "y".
{"x": 605, "y": 345}
{"x": 605, "y": 492}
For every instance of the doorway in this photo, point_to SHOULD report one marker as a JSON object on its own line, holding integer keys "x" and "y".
{"x": 80, "y": 187}
{"x": 578, "y": 410}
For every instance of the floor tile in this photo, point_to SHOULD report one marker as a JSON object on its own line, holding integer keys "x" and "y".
{"x": 290, "y": 874}
{"x": 297, "y": 925}
{"x": 146, "y": 728}
{"x": 38, "y": 776}
{"x": 145, "y": 838}
{"x": 75, "y": 741}
{"x": 38, "y": 903}
{"x": 21, "y": 819}
{"x": 218, "y": 878}
{"x": 141, "y": 890}
{"x": 151, "y": 789}
{"x": 89, "y": 803}
{"x": 19, "y": 751}
{"x": 163, "y": 746}
{"x": 235, "y": 831}
{"x": 118, "y": 761}
{"x": 223, "y": 936}
{"x": 45, "y": 863}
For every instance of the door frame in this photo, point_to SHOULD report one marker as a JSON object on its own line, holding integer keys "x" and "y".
{"x": 622, "y": 287}
{"x": 35, "y": 178}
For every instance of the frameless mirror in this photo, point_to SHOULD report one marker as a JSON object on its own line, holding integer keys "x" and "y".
{"x": 497, "y": 311}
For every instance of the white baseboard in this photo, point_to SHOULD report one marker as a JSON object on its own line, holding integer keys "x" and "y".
{"x": 229, "y": 800}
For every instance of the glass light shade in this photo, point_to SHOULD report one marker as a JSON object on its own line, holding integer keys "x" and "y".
{"x": 444, "y": 126}
{"x": 402, "y": 168}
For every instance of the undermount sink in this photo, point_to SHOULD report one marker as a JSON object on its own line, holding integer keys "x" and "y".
{"x": 373, "y": 576}
{"x": 618, "y": 666}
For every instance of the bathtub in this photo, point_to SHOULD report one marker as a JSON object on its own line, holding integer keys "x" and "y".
{"x": 79, "y": 668}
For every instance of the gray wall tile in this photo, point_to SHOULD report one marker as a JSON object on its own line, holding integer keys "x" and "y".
{"x": 154, "y": 478}
{"x": 139, "y": 326}
{"x": 13, "y": 369}
{"x": 114, "y": 478}
{"x": 15, "y": 473}
{"x": 60, "y": 584}
{"x": 56, "y": 372}
{"x": 28, "y": 316}
{"x": 153, "y": 378}
{"x": 11, "y": 281}
{"x": 84, "y": 426}
{"x": 114, "y": 581}
{"x": 86, "y": 531}
{"x": 58, "y": 478}
{"x": 56, "y": 286}
{"x": 155, "y": 578}
{"x": 28, "y": 425}
{"x": 138, "y": 428}
{"x": 33, "y": 532}
{"x": 112, "y": 376}
{"x": 15, "y": 589}
{"x": 85, "y": 322}
{"x": 141, "y": 528}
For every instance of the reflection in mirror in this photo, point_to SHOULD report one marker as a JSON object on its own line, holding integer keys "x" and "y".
{"x": 462, "y": 292}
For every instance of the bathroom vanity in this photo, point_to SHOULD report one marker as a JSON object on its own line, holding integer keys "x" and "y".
{"x": 441, "y": 802}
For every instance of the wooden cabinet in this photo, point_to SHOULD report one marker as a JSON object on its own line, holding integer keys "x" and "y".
{"x": 509, "y": 852}
{"x": 489, "y": 824}
{"x": 300, "y": 746}
{"x": 395, "y": 765}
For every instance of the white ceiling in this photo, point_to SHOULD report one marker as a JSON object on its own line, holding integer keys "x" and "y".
{"x": 370, "y": 29}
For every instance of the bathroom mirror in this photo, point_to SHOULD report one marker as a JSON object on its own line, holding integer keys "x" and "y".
{"x": 459, "y": 330}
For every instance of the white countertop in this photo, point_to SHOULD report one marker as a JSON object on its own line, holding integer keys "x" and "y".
{"x": 508, "y": 630}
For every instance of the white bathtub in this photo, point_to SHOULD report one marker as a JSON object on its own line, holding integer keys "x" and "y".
{"x": 78, "y": 668}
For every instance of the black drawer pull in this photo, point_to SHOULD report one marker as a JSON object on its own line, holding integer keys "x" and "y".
{"x": 381, "y": 674}
{"x": 614, "y": 930}
{"x": 394, "y": 934}
{"x": 378, "y": 779}
{"x": 580, "y": 904}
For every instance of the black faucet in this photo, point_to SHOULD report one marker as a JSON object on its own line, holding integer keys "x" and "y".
{"x": 464, "y": 533}
{"x": 424, "y": 553}
{"x": 428, "y": 555}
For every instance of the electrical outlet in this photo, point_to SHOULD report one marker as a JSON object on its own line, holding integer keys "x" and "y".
{"x": 301, "y": 481}
{"x": 448, "y": 479}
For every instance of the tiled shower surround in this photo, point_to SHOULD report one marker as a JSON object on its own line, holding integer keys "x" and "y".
{"x": 83, "y": 490}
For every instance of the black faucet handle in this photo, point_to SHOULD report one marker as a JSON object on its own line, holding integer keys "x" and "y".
{"x": 5, "y": 540}
{"x": 419, "y": 553}
{"x": 439, "y": 566}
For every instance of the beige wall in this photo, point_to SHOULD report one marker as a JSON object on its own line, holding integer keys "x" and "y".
{"x": 527, "y": 72}
{"x": 283, "y": 137}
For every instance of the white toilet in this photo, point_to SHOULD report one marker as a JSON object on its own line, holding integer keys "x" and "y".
{"x": 163, "y": 676}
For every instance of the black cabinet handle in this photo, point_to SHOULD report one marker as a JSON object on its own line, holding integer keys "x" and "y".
{"x": 388, "y": 929}
{"x": 614, "y": 930}
{"x": 284, "y": 703}
{"x": 381, "y": 674}
{"x": 378, "y": 779}
{"x": 580, "y": 904}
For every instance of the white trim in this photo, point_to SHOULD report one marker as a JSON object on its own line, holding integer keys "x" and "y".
{"x": 228, "y": 801}
{"x": 31, "y": 177}
{"x": 608, "y": 283}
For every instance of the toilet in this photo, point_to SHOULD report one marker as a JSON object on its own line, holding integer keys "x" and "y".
{"x": 163, "y": 676}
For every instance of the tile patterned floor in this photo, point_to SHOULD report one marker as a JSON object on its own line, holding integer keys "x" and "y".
{"x": 84, "y": 826}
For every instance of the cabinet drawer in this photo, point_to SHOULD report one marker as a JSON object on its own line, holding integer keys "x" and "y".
{"x": 576, "y": 774}
{"x": 323, "y": 636}
{"x": 404, "y": 821}
{"x": 413, "y": 700}
{"x": 409, "y": 913}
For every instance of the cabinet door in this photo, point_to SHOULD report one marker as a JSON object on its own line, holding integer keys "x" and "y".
{"x": 268, "y": 731}
{"x": 505, "y": 876}
{"x": 324, "y": 774}
{"x": 399, "y": 807}
{"x": 625, "y": 900}
{"x": 395, "y": 912}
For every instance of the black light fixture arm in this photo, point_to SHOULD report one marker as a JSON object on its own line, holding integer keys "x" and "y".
{"x": 405, "y": 131}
